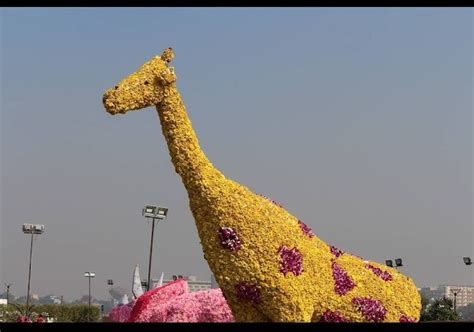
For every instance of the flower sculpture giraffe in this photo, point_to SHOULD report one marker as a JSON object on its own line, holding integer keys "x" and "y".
{"x": 269, "y": 265}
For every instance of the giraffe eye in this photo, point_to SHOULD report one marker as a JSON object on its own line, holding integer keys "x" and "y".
{"x": 146, "y": 83}
{"x": 116, "y": 87}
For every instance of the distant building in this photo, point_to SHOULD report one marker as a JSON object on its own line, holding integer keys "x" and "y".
{"x": 193, "y": 284}
{"x": 3, "y": 301}
{"x": 464, "y": 294}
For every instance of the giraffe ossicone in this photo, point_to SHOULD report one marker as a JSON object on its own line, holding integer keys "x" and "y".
{"x": 245, "y": 257}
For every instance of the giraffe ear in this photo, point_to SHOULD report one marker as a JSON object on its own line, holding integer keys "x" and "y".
{"x": 167, "y": 55}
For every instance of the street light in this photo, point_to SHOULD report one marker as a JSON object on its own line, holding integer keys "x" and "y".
{"x": 467, "y": 260}
{"x": 8, "y": 292}
{"x": 31, "y": 229}
{"x": 455, "y": 292}
{"x": 154, "y": 212}
{"x": 89, "y": 275}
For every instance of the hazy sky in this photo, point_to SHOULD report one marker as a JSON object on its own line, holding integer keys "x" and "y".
{"x": 358, "y": 121}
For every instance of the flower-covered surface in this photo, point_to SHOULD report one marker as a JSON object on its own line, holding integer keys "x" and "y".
{"x": 290, "y": 261}
{"x": 173, "y": 303}
{"x": 229, "y": 238}
{"x": 379, "y": 272}
{"x": 332, "y": 317}
{"x": 306, "y": 229}
{"x": 372, "y": 310}
{"x": 405, "y": 319}
{"x": 121, "y": 313}
{"x": 248, "y": 292}
{"x": 342, "y": 281}
{"x": 336, "y": 252}
{"x": 151, "y": 302}
{"x": 216, "y": 201}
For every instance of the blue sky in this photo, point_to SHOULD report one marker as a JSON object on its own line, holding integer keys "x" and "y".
{"x": 359, "y": 121}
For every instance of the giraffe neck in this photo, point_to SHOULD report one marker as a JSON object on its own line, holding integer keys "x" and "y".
{"x": 189, "y": 160}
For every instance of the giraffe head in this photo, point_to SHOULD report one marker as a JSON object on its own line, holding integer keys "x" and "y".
{"x": 145, "y": 87}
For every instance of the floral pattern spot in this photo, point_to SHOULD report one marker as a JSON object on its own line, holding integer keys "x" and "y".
{"x": 306, "y": 229}
{"x": 229, "y": 238}
{"x": 248, "y": 292}
{"x": 372, "y": 309}
{"x": 406, "y": 319}
{"x": 332, "y": 317}
{"x": 386, "y": 276}
{"x": 343, "y": 282}
{"x": 290, "y": 261}
{"x": 336, "y": 252}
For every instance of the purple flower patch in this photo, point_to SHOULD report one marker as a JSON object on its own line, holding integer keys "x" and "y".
{"x": 343, "y": 283}
{"x": 336, "y": 252}
{"x": 248, "y": 292}
{"x": 291, "y": 261}
{"x": 229, "y": 238}
{"x": 372, "y": 310}
{"x": 332, "y": 317}
{"x": 382, "y": 274}
{"x": 406, "y": 319}
{"x": 306, "y": 229}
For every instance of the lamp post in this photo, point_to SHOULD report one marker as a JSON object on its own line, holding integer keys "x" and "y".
{"x": 8, "y": 292}
{"x": 89, "y": 275}
{"x": 153, "y": 212}
{"x": 455, "y": 292}
{"x": 31, "y": 229}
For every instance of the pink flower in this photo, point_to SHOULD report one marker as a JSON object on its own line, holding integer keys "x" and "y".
{"x": 173, "y": 303}
{"x": 343, "y": 283}
{"x": 332, "y": 317}
{"x": 248, "y": 292}
{"x": 291, "y": 261}
{"x": 121, "y": 313}
{"x": 229, "y": 238}
{"x": 336, "y": 252}
{"x": 202, "y": 306}
{"x": 150, "y": 302}
{"x": 306, "y": 229}
{"x": 372, "y": 310}
{"x": 382, "y": 274}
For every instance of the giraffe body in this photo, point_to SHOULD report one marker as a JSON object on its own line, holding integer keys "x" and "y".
{"x": 269, "y": 265}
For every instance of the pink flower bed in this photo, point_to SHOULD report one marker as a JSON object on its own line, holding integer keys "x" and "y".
{"x": 121, "y": 313}
{"x": 173, "y": 303}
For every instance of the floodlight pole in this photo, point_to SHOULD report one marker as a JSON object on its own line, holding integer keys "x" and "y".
{"x": 151, "y": 252}
{"x": 89, "y": 309}
{"x": 29, "y": 280}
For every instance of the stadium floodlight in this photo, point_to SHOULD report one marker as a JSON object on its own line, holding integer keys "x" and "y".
{"x": 33, "y": 229}
{"x": 153, "y": 212}
{"x": 398, "y": 262}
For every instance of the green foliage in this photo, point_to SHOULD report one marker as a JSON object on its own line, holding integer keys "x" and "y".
{"x": 440, "y": 310}
{"x": 59, "y": 312}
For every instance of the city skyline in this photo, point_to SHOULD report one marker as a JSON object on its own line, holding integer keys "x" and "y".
{"x": 358, "y": 121}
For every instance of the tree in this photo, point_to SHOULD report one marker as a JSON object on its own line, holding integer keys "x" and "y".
{"x": 467, "y": 312}
{"x": 440, "y": 310}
